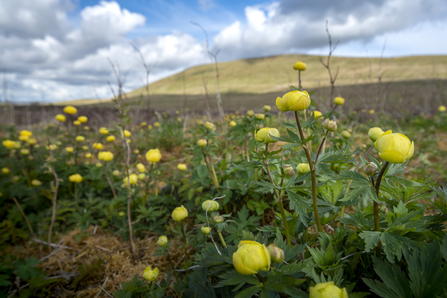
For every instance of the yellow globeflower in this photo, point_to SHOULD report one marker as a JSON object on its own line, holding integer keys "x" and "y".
{"x": 69, "y": 149}
{"x": 97, "y": 146}
{"x": 80, "y": 138}
{"x": 36, "y": 182}
{"x": 5, "y": 170}
{"x": 233, "y": 123}
{"x": 86, "y": 128}
{"x": 259, "y": 116}
{"x": 23, "y": 138}
{"x": 110, "y": 139}
{"x": 149, "y": 127}
{"x": 181, "y": 167}
{"x": 60, "y": 117}
{"x": 157, "y": 124}
{"x": 293, "y": 101}
{"x": 76, "y": 123}
{"x": 267, "y": 108}
{"x": 103, "y": 131}
{"x": 143, "y": 123}
{"x": 141, "y": 176}
{"x": 52, "y": 147}
{"x": 179, "y": 213}
{"x": 210, "y": 126}
{"x": 202, "y": 143}
{"x": 141, "y": 168}
{"x": 26, "y": 133}
{"x": 205, "y": 230}
{"x": 250, "y": 113}
{"x": 375, "y": 133}
{"x": 264, "y": 135}
{"x": 339, "y": 101}
{"x": 127, "y": 133}
{"x": 327, "y": 290}
{"x": 116, "y": 173}
{"x": 330, "y": 125}
{"x": 346, "y": 134}
{"x": 88, "y": 155}
{"x": 371, "y": 112}
{"x": 210, "y": 206}
{"x": 105, "y": 155}
{"x": 276, "y": 254}
{"x": 121, "y": 213}
{"x": 70, "y": 110}
{"x": 302, "y": 168}
{"x": 394, "y": 147}
{"x": 318, "y": 115}
{"x": 442, "y": 108}
{"x": 162, "y": 241}
{"x": 32, "y": 141}
{"x": 17, "y": 145}
{"x": 82, "y": 119}
{"x": 76, "y": 178}
{"x": 150, "y": 274}
{"x": 133, "y": 179}
{"x": 299, "y": 66}
{"x": 153, "y": 155}
{"x": 251, "y": 257}
{"x": 24, "y": 151}
{"x": 8, "y": 144}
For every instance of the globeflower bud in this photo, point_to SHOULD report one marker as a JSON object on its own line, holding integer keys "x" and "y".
{"x": 80, "y": 138}
{"x": 97, "y": 146}
{"x": 259, "y": 116}
{"x": 251, "y": 257}
{"x": 157, "y": 124}
{"x": 179, "y": 213}
{"x": 162, "y": 241}
{"x": 70, "y": 110}
{"x": 301, "y": 66}
{"x": 394, "y": 147}
{"x": 60, "y": 117}
{"x": 8, "y": 144}
{"x": 5, "y": 170}
{"x": 150, "y": 274}
{"x": 330, "y": 125}
{"x": 375, "y": 133}
{"x": 116, "y": 173}
{"x": 346, "y": 134}
{"x": 110, "y": 138}
{"x": 233, "y": 123}
{"x": 26, "y": 133}
{"x": 23, "y": 138}
{"x": 141, "y": 168}
{"x": 103, "y": 131}
{"x": 318, "y": 115}
{"x": 132, "y": 181}
{"x": 441, "y": 109}
{"x": 202, "y": 143}
{"x": 293, "y": 101}
{"x": 276, "y": 253}
{"x": 205, "y": 230}
{"x": 36, "y": 182}
{"x": 32, "y": 141}
{"x": 267, "y": 108}
{"x": 105, "y": 155}
{"x": 303, "y": 168}
{"x": 250, "y": 113}
{"x": 370, "y": 168}
{"x": 141, "y": 176}
{"x": 69, "y": 149}
{"x": 261, "y": 150}
{"x": 288, "y": 170}
{"x": 24, "y": 151}
{"x": 210, "y": 206}
{"x": 327, "y": 290}
{"x": 127, "y": 133}
{"x": 210, "y": 126}
{"x": 182, "y": 167}
{"x": 263, "y": 135}
{"x": 339, "y": 101}
{"x": 218, "y": 219}
{"x": 76, "y": 178}
{"x": 76, "y": 123}
{"x": 153, "y": 155}
{"x": 121, "y": 213}
{"x": 82, "y": 119}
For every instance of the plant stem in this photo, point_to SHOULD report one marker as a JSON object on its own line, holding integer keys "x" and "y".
{"x": 56, "y": 187}
{"x": 222, "y": 239}
{"x": 184, "y": 240}
{"x": 26, "y": 219}
{"x": 246, "y": 147}
{"x": 376, "y": 205}
{"x": 321, "y": 146}
{"x": 313, "y": 175}
{"x": 278, "y": 198}
{"x": 76, "y": 194}
{"x": 209, "y": 169}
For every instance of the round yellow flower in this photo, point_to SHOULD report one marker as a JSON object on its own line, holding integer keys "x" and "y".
{"x": 88, "y": 155}
{"x": 371, "y": 112}
{"x": 141, "y": 176}
{"x": 181, "y": 167}
{"x": 26, "y": 133}
{"x": 8, "y": 144}
{"x": 5, "y": 170}
{"x": 80, "y": 138}
{"x": 23, "y": 138}
{"x": 330, "y": 125}
{"x": 375, "y": 133}
{"x": 209, "y": 125}
{"x": 103, "y": 131}
{"x": 210, "y": 206}
{"x": 97, "y": 146}
{"x": 143, "y": 123}
{"x": 157, "y": 124}
{"x": 76, "y": 123}
{"x": 32, "y": 141}
{"x": 233, "y": 123}
{"x": 24, "y": 151}
{"x": 52, "y": 147}
{"x": 132, "y": 181}
{"x": 202, "y": 143}
{"x": 442, "y": 108}
{"x": 149, "y": 127}
{"x": 339, "y": 101}
{"x": 276, "y": 253}
{"x": 293, "y": 101}
{"x": 301, "y": 66}
{"x": 162, "y": 241}
{"x": 69, "y": 149}
{"x": 267, "y": 108}
{"x": 327, "y": 290}
{"x": 302, "y": 168}
{"x": 346, "y": 134}
{"x": 116, "y": 173}
{"x": 318, "y": 115}
{"x": 105, "y": 155}
{"x": 150, "y": 274}
{"x": 251, "y": 257}
{"x": 60, "y": 117}
{"x": 394, "y": 147}
{"x": 121, "y": 213}
{"x": 153, "y": 155}
{"x": 36, "y": 182}
{"x": 70, "y": 110}
{"x": 86, "y": 128}
{"x": 110, "y": 139}
{"x": 82, "y": 119}
{"x": 264, "y": 135}
{"x": 250, "y": 113}
{"x": 259, "y": 116}
{"x": 179, "y": 213}
{"x": 141, "y": 168}
{"x": 76, "y": 178}
{"x": 127, "y": 133}
{"x": 205, "y": 230}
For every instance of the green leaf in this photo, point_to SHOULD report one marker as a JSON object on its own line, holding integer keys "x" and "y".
{"x": 299, "y": 204}
{"x": 371, "y": 239}
{"x": 249, "y": 292}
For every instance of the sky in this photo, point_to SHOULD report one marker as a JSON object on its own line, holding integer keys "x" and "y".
{"x": 56, "y": 50}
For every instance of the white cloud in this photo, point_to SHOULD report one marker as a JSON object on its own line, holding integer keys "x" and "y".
{"x": 206, "y": 4}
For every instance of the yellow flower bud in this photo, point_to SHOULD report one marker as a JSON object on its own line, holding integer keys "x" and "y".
{"x": 23, "y": 138}
{"x": 52, "y": 147}
{"x": 157, "y": 124}
{"x": 264, "y": 135}
{"x": 339, "y": 101}
{"x": 375, "y": 133}
{"x": 141, "y": 168}
{"x": 110, "y": 139}
{"x": 69, "y": 149}
{"x": 260, "y": 116}
{"x": 116, "y": 173}
{"x": 318, "y": 115}
{"x": 97, "y": 146}
{"x": 162, "y": 241}
{"x": 88, "y": 155}
{"x": 293, "y": 101}
{"x": 182, "y": 167}
{"x": 86, "y": 128}
{"x": 60, "y": 117}
{"x": 205, "y": 230}
{"x": 179, "y": 213}
{"x": 150, "y": 274}
{"x": 127, "y": 133}
{"x": 218, "y": 219}
{"x": 36, "y": 182}
{"x": 276, "y": 253}
{"x": 210, "y": 126}
{"x": 441, "y": 109}
{"x": 302, "y": 168}
{"x": 394, "y": 147}
{"x": 371, "y": 112}
{"x": 121, "y": 213}
{"x": 24, "y": 151}
{"x": 153, "y": 155}
{"x": 5, "y": 170}
{"x": 267, "y": 108}
{"x": 82, "y": 119}
{"x": 301, "y": 66}
{"x": 132, "y": 181}
{"x": 202, "y": 143}
{"x": 143, "y": 123}
{"x": 346, "y": 134}
{"x": 199, "y": 122}
{"x": 105, "y": 155}
{"x": 327, "y": 290}
{"x": 70, "y": 110}
{"x": 210, "y": 206}
{"x": 32, "y": 141}
{"x": 288, "y": 170}
{"x": 250, "y": 113}
{"x": 233, "y": 123}
{"x": 80, "y": 138}
{"x": 8, "y": 144}
{"x": 370, "y": 168}
{"x": 26, "y": 133}
{"x": 330, "y": 125}
{"x": 149, "y": 127}
{"x": 103, "y": 131}
{"x": 141, "y": 176}
{"x": 251, "y": 257}
{"x": 76, "y": 123}
{"x": 76, "y": 178}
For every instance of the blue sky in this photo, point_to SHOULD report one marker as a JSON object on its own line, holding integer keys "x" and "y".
{"x": 57, "y": 50}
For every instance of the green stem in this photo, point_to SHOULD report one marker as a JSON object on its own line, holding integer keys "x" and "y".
{"x": 313, "y": 175}
{"x": 76, "y": 194}
{"x": 246, "y": 147}
{"x": 376, "y": 205}
{"x": 186, "y": 244}
{"x": 222, "y": 239}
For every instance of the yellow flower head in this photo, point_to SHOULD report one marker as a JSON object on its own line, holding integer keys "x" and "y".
{"x": 327, "y": 290}
{"x": 5, "y": 170}
{"x": 301, "y": 66}
{"x": 8, "y": 144}
{"x": 23, "y": 138}
{"x": 116, "y": 173}
{"x": 80, "y": 138}
{"x": 250, "y": 113}
{"x": 150, "y": 274}
{"x": 86, "y": 128}
{"x": 233, "y": 123}
{"x": 121, "y": 213}
{"x": 76, "y": 178}
{"x": 105, "y": 155}
{"x": 60, "y": 117}
{"x": 375, "y": 133}
{"x": 209, "y": 125}
{"x": 36, "y": 182}
{"x": 69, "y": 149}
{"x": 330, "y": 125}
{"x": 182, "y": 167}
{"x": 302, "y": 168}
{"x": 267, "y": 108}
{"x": 153, "y": 155}
{"x": 26, "y": 133}
{"x": 82, "y": 119}
{"x": 70, "y": 110}
{"x": 251, "y": 257}
{"x": 394, "y": 147}
{"x": 88, "y": 155}
{"x": 141, "y": 168}
{"x": 24, "y": 151}
{"x": 143, "y": 123}
{"x": 157, "y": 124}
{"x": 442, "y": 108}
{"x": 210, "y": 206}
{"x": 110, "y": 138}
{"x": 276, "y": 253}
{"x": 346, "y": 134}
{"x": 371, "y": 112}
{"x": 264, "y": 135}
{"x": 339, "y": 101}
{"x": 97, "y": 146}
{"x": 293, "y": 101}
{"x": 76, "y": 123}
{"x": 318, "y": 115}
{"x": 205, "y": 230}
{"x": 127, "y": 133}
{"x": 162, "y": 241}
{"x": 149, "y": 127}
{"x": 52, "y": 147}
{"x": 141, "y": 176}
{"x": 132, "y": 181}
{"x": 202, "y": 143}
{"x": 103, "y": 131}
{"x": 179, "y": 213}
{"x": 260, "y": 116}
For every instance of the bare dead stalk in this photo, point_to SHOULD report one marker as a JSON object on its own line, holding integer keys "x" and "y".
{"x": 56, "y": 187}
{"x": 26, "y": 218}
